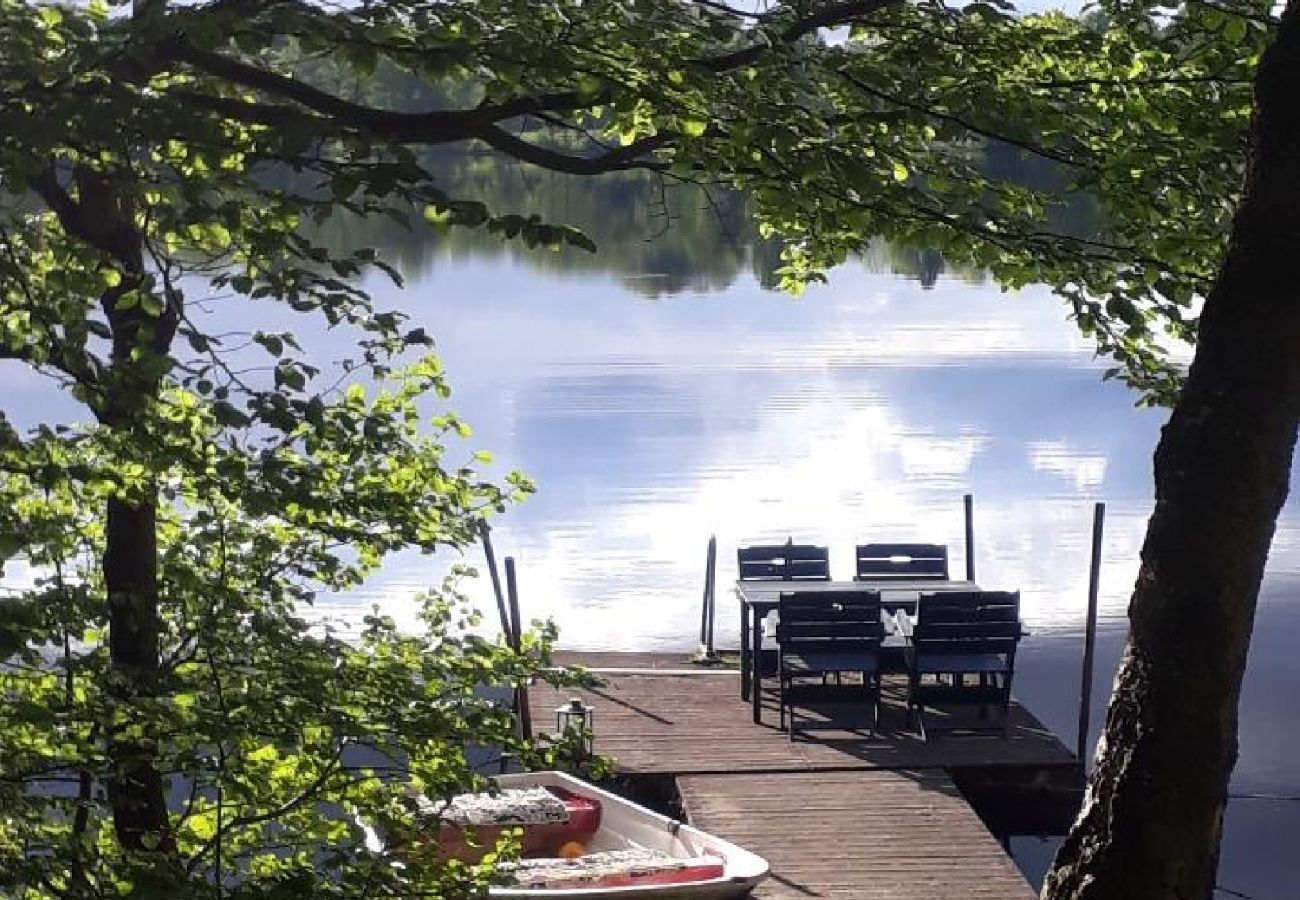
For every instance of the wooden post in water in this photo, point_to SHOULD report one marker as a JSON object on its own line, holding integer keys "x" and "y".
{"x": 515, "y": 637}
{"x": 706, "y": 602}
{"x": 968, "y": 501}
{"x": 496, "y": 581}
{"x": 1090, "y": 637}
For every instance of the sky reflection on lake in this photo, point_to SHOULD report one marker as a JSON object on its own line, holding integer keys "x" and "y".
{"x": 862, "y": 411}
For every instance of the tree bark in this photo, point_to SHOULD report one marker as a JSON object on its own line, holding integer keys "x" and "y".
{"x": 1153, "y": 814}
{"x": 137, "y": 794}
{"x": 136, "y": 791}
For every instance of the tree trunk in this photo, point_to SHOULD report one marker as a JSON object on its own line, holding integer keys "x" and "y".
{"x": 1153, "y": 815}
{"x": 136, "y": 790}
{"x": 131, "y": 575}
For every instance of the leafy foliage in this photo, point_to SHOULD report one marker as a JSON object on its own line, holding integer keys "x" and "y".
{"x": 173, "y": 724}
{"x": 269, "y": 475}
{"x": 881, "y": 133}
{"x": 275, "y": 736}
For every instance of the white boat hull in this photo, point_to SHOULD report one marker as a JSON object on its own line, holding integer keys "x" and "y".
{"x": 625, "y": 825}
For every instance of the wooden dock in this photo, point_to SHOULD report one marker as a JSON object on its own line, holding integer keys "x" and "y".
{"x": 839, "y": 813}
{"x": 868, "y": 835}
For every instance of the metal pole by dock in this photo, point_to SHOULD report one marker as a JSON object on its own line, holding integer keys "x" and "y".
{"x": 515, "y": 638}
{"x": 496, "y": 581}
{"x": 1090, "y": 637}
{"x": 968, "y": 501}
{"x": 707, "y": 602}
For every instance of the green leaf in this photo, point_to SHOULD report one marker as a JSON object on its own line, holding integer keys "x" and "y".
{"x": 203, "y": 825}
{"x": 272, "y": 343}
{"x": 1234, "y": 29}
{"x": 150, "y": 303}
{"x": 588, "y": 86}
{"x": 694, "y": 127}
{"x": 264, "y": 753}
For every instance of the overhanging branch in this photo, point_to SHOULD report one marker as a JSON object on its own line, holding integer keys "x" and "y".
{"x": 439, "y": 126}
{"x": 632, "y": 156}
{"x": 443, "y": 126}
{"x": 47, "y": 187}
{"x": 829, "y": 16}
{"x": 952, "y": 119}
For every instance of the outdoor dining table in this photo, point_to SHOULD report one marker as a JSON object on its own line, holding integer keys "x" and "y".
{"x": 758, "y": 598}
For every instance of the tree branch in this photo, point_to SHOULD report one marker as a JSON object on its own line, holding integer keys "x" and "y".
{"x": 632, "y": 156}
{"x": 444, "y": 126}
{"x": 253, "y": 113}
{"x": 1156, "y": 81}
{"x": 960, "y": 122}
{"x": 438, "y": 126}
{"x": 718, "y": 6}
{"x": 828, "y": 16}
{"x": 47, "y": 187}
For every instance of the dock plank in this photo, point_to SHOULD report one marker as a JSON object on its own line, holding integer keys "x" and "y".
{"x": 875, "y": 834}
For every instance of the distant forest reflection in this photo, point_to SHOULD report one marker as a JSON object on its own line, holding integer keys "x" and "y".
{"x": 655, "y": 236}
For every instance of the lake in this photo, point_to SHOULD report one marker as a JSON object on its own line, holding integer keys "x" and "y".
{"x": 660, "y": 394}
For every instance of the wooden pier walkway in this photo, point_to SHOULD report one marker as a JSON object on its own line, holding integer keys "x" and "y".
{"x": 873, "y": 835}
{"x": 839, "y": 813}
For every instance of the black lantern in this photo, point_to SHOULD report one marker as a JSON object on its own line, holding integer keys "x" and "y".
{"x": 578, "y": 718}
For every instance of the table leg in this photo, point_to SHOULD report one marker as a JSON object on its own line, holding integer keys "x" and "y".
{"x": 756, "y": 663}
{"x": 744, "y": 650}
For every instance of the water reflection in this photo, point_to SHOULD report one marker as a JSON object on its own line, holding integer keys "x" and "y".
{"x": 863, "y": 410}
{"x": 656, "y": 237}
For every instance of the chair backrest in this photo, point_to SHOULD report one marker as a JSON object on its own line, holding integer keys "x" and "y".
{"x": 806, "y": 562}
{"x": 967, "y": 622}
{"x": 829, "y": 620}
{"x": 904, "y": 561}
{"x": 765, "y": 562}
{"x": 783, "y": 562}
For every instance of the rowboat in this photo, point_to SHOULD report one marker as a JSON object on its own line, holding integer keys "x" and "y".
{"x": 603, "y": 846}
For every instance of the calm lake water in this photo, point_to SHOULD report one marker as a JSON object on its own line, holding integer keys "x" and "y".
{"x": 863, "y": 410}
{"x": 672, "y": 397}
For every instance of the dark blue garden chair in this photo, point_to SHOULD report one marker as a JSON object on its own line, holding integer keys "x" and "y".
{"x": 963, "y": 652}
{"x": 784, "y": 562}
{"x": 822, "y": 634}
{"x": 913, "y": 562}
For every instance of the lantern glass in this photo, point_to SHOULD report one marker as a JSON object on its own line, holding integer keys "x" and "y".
{"x": 578, "y": 718}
